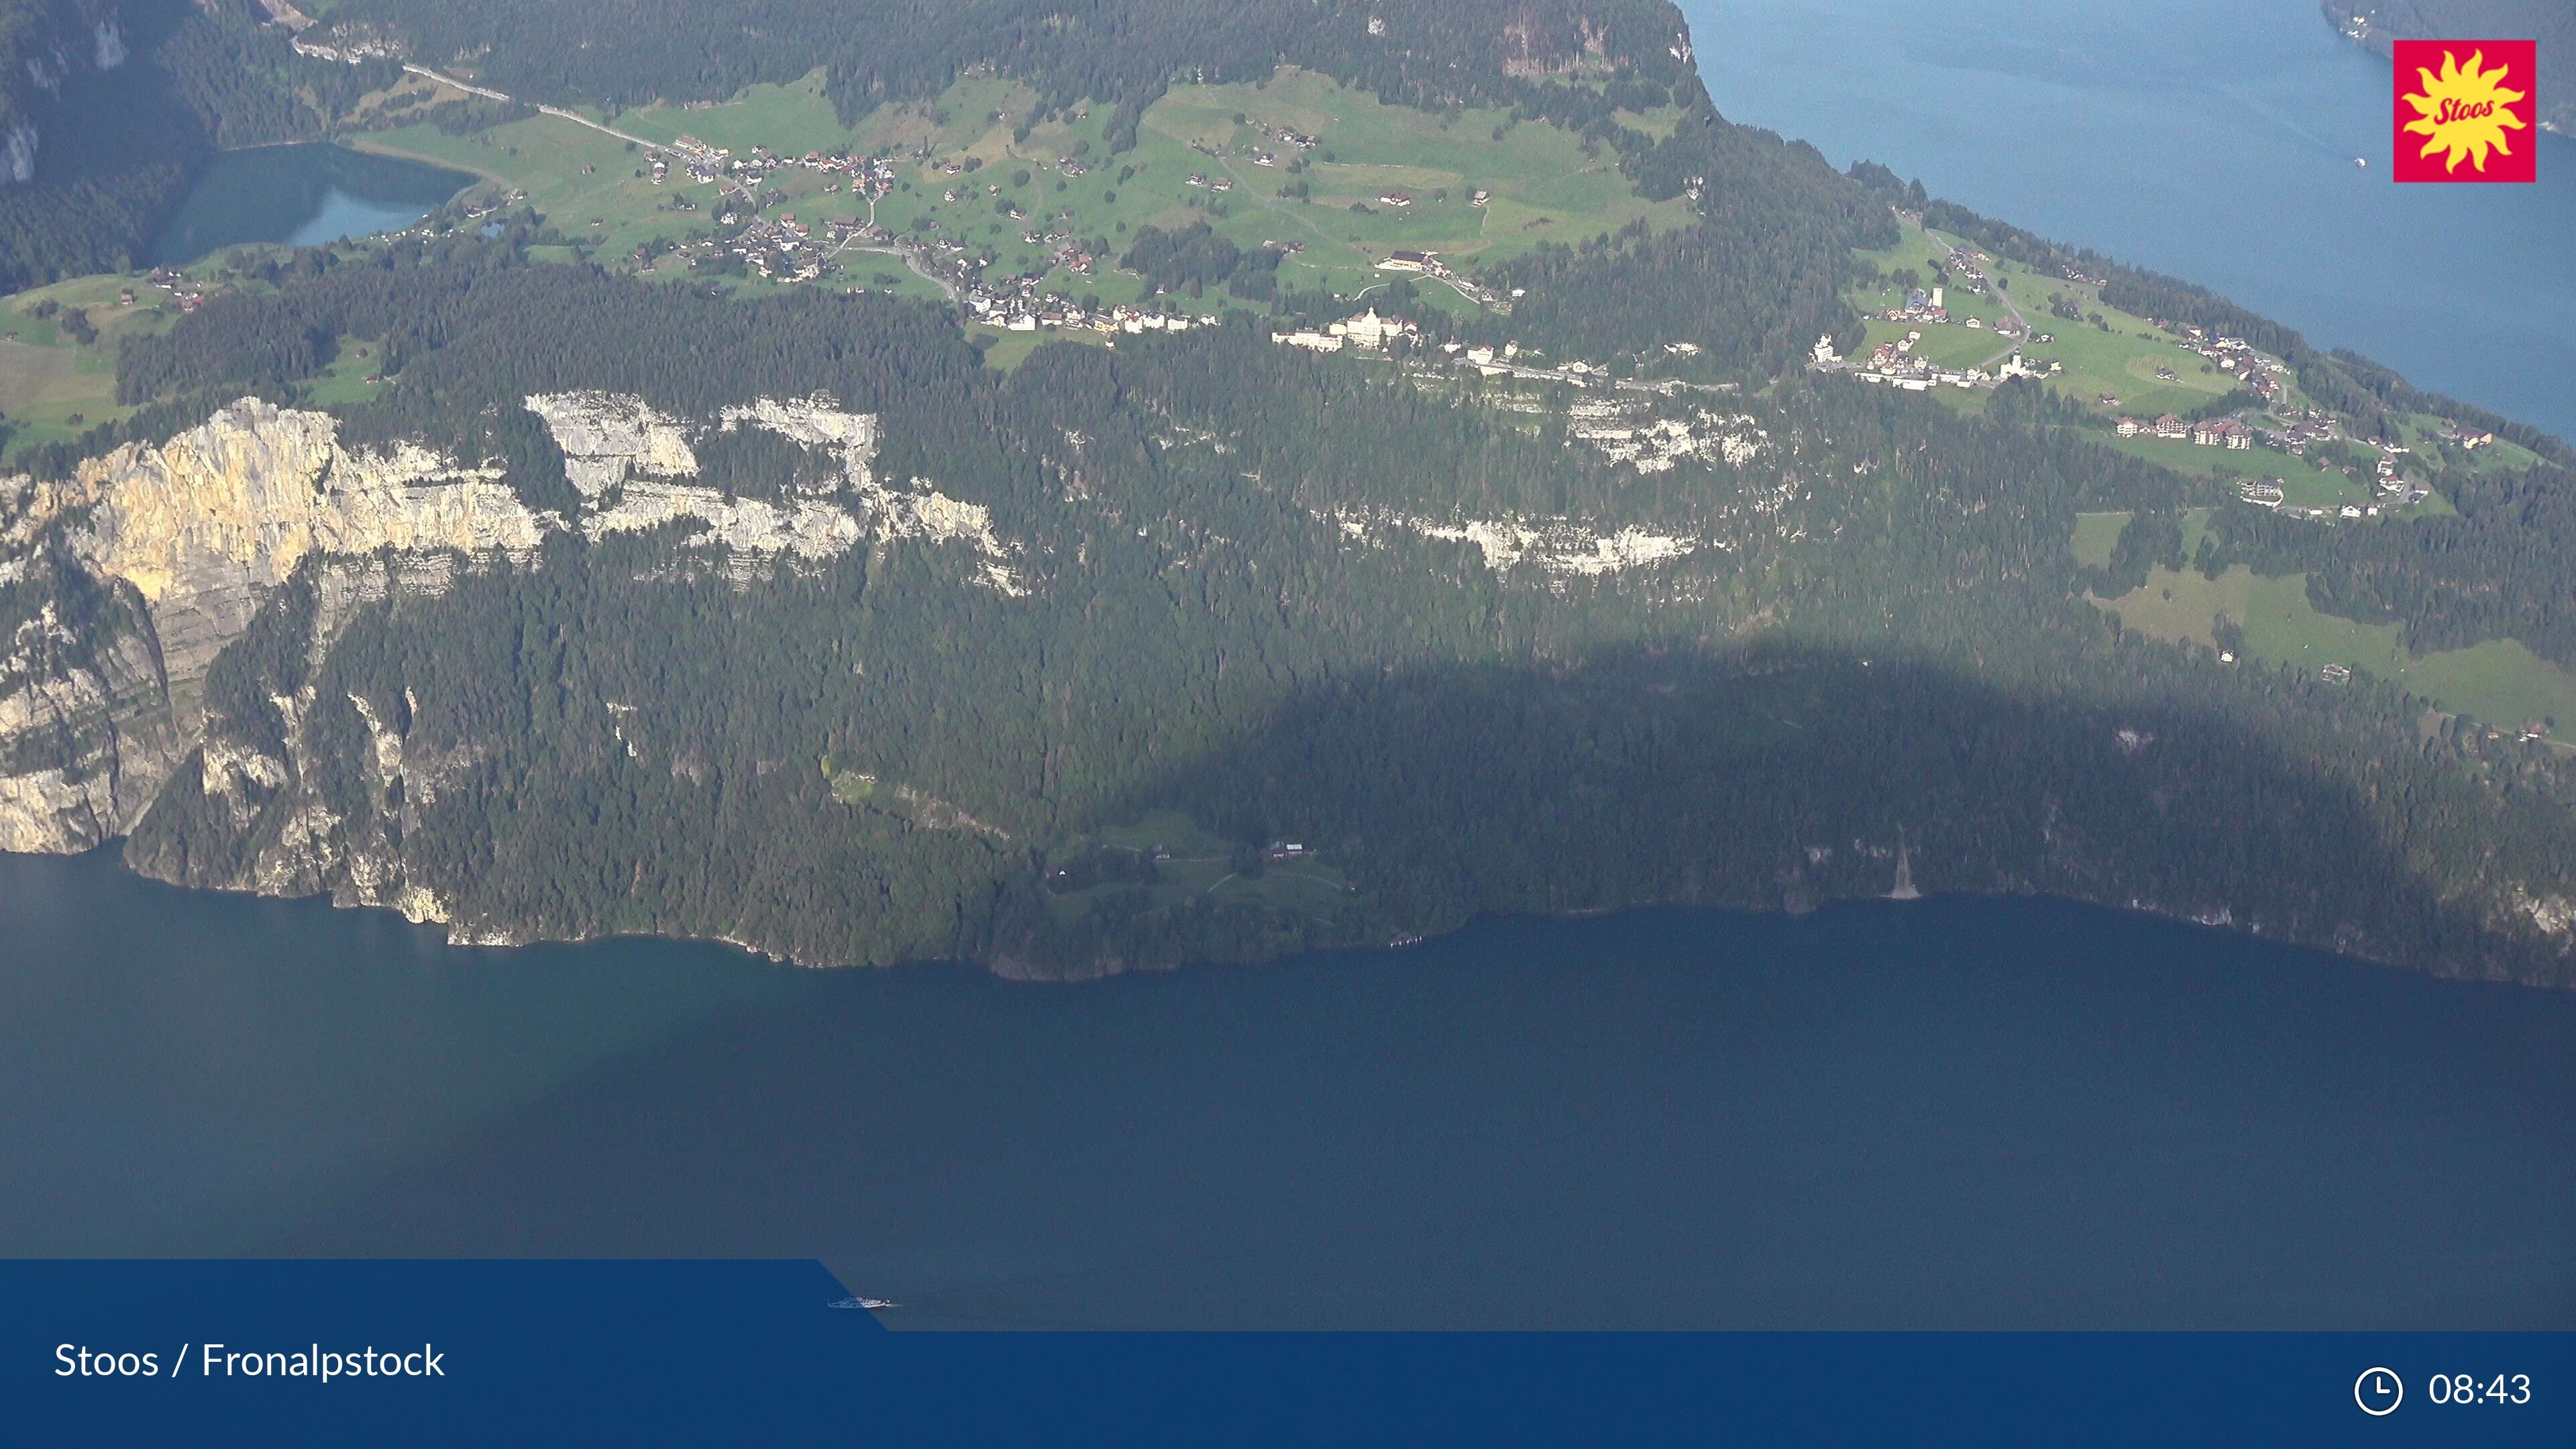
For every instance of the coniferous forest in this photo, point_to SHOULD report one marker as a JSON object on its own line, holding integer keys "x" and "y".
{"x": 1420, "y": 623}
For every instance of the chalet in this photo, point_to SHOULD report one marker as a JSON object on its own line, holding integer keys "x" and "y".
{"x": 1406, "y": 261}
{"x": 2169, "y": 426}
{"x": 2129, "y": 427}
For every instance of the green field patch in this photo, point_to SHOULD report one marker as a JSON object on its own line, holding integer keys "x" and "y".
{"x": 1543, "y": 186}
{"x": 1005, "y": 350}
{"x": 574, "y": 177}
{"x": 352, "y": 377}
{"x": 1179, "y": 864}
{"x": 1944, "y": 345}
{"x": 54, "y": 388}
{"x": 789, "y": 119}
{"x": 2120, "y": 357}
{"x": 2499, "y": 680}
{"x": 2096, "y": 534}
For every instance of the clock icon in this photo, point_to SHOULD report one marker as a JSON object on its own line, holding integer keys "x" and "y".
{"x": 2378, "y": 1391}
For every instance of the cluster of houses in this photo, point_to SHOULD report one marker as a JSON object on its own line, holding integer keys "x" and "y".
{"x": 2294, "y": 436}
{"x": 2207, "y": 433}
{"x": 1897, "y": 364}
{"x": 1020, "y": 304}
{"x": 1970, "y": 268}
{"x": 783, "y": 248}
{"x": 2260, "y": 375}
{"x": 1920, "y": 306}
{"x": 1429, "y": 264}
{"x": 868, "y": 176}
{"x": 1366, "y": 330}
{"x": 1258, "y": 156}
{"x": 1284, "y": 137}
{"x": 173, "y": 281}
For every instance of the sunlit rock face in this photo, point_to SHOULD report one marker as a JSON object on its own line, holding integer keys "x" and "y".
{"x": 189, "y": 535}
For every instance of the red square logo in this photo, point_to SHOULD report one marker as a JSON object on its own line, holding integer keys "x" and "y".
{"x": 2464, "y": 110}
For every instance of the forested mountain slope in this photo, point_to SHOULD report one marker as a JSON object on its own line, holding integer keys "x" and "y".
{"x": 109, "y": 107}
{"x": 1118, "y": 52}
{"x": 793, "y": 620}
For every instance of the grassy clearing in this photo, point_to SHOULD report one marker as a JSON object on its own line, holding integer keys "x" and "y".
{"x": 790, "y": 119}
{"x": 1543, "y": 187}
{"x": 350, "y": 379}
{"x": 2121, "y": 361}
{"x": 52, "y": 389}
{"x": 574, "y": 176}
{"x": 2498, "y": 680}
{"x": 1007, "y": 350}
{"x": 2096, "y": 534}
{"x": 1201, "y": 868}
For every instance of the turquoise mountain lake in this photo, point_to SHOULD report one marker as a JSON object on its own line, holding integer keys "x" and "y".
{"x": 301, "y": 195}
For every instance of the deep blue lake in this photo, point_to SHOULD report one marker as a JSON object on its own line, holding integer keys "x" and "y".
{"x": 1946, "y": 1113}
{"x": 302, "y": 195}
{"x": 2209, "y": 139}
{"x": 1937, "y": 1114}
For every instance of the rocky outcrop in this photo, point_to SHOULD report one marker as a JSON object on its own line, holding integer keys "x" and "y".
{"x": 87, "y": 734}
{"x": 240, "y": 501}
{"x": 632, "y": 466}
{"x": 18, "y": 153}
{"x": 1556, "y": 546}
{"x": 41, "y": 44}
{"x": 195, "y": 533}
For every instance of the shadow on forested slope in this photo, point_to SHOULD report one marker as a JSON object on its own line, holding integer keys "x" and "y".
{"x": 1785, "y": 778}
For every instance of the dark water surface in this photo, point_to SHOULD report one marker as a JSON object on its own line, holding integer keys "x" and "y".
{"x": 303, "y": 195}
{"x": 2209, "y": 139}
{"x": 1945, "y": 1113}
{"x": 1941, "y": 1114}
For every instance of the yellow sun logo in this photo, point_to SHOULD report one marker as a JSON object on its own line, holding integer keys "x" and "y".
{"x": 2463, "y": 110}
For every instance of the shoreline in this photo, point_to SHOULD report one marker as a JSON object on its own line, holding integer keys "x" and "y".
{"x": 1007, "y": 967}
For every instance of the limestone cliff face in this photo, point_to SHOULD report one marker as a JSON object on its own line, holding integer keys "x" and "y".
{"x": 191, "y": 532}
{"x": 86, "y": 734}
{"x": 249, "y": 494}
{"x": 99, "y": 706}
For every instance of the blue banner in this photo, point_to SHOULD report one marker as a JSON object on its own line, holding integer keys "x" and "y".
{"x": 752, "y": 1352}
